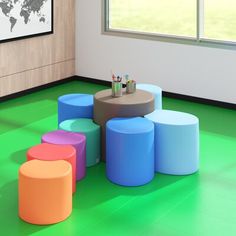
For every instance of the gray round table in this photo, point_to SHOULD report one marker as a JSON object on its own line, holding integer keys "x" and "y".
{"x": 106, "y": 107}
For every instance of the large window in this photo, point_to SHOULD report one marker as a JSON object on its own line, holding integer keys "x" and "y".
{"x": 194, "y": 20}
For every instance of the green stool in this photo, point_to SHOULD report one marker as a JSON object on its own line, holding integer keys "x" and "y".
{"x": 92, "y": 133}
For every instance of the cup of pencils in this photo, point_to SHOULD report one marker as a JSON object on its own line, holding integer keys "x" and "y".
{"x": 130, "y": 85}
{"x": 116, "y": 86}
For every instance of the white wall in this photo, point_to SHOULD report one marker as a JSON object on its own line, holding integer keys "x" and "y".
{"x": 191, "y": 70}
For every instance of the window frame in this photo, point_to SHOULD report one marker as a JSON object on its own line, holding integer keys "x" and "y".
{"x": 199, "y": 40}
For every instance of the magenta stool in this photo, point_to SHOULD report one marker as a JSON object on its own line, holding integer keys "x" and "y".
{"x": 77, "y": 140}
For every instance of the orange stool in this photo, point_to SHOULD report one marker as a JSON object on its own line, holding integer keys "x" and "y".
{"x": 45, "y": 192}
{"x": 52, "y": 152}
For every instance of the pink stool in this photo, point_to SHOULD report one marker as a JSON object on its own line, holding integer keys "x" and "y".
{"x": 78, "y": 141}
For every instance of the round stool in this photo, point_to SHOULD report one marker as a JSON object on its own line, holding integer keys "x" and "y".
{"x": 78, "y": 141}
{"x": 51, "y": 152}
{"x": 176, "y": 142}
{"x": 155, "y": 90}
{"x": 130, "y": 151}
{"x": 92, "y": 133}
{"x": 45, "y": 192}
{"x": 72, "y": 106}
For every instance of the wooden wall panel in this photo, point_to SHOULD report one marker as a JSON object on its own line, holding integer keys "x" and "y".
{"x": 24, "y": 61}
{"x": 36, "y": 77}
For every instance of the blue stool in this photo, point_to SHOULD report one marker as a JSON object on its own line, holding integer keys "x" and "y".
{"x": 73, "y": 106}
{"x": 130, "y": 151}
{"x": 176, "y": 142}
{"x": 155, "y": 90}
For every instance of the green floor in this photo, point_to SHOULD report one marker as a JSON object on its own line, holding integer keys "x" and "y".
{"x": 199, "y": 204}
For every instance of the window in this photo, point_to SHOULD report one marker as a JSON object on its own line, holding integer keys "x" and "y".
{"x": 194, "y": 20}
{"x": 220, "y": 19}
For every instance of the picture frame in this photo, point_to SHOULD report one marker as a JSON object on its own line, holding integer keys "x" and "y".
{"x": 22, "y": 19}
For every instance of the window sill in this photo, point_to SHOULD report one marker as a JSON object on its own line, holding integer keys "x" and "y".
{"x": 172, "y": 39}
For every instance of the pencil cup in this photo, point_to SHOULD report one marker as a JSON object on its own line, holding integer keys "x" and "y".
{"x": 116, "y": 89}
{"x": 130, "y": 87}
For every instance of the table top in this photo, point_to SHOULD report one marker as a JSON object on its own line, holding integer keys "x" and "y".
{"x": 139, "y": 97}
{"x": 107, "y": 107}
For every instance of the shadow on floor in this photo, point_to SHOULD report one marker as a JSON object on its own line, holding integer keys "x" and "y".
{"x": 30, "y": 108}
{"x": 10, "y": 223}
{"x": 19, "y": 157}
{"x": 96, "y": 188}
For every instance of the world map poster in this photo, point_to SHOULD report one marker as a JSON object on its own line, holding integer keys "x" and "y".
{"x": 25, "y": 18}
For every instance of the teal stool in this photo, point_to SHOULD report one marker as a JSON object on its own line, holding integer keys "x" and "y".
{"x": 92, "y": 133}
{"x": 155, "y": 90}
{"x": 176, "y": 142}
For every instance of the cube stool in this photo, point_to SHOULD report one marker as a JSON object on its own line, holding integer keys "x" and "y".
{"x": 176, "y": 142}
{"x": 71, "y": 106}
{"x": 45, "y": 191}
{"x": 130, "y": 151}
{"x": 51, "y": 152}
{"x": 92, "y": 133}
{"x": 78, "y": 141}
{"x": 155, "y": 90}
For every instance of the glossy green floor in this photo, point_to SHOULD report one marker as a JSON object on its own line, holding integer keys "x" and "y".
{"x": 199, "y": 204}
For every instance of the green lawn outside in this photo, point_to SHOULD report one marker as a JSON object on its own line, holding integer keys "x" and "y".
{"x": 176, "y": 17}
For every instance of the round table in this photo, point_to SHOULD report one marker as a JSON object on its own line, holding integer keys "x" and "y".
{"x": 107, "y": 107}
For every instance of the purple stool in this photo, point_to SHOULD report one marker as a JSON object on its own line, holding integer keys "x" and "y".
{"x": 78, "y": 141}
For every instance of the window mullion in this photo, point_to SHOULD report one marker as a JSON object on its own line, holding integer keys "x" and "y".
{"x": 106, "y": 13}
{"x": 200, "y": 19}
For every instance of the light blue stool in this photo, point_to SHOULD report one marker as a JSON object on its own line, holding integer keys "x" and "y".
{"x": 130, "y": 151}
{"x": 176, "y": 142}
{"x": 73, "y": 106}
{"x": 155, "y": 90}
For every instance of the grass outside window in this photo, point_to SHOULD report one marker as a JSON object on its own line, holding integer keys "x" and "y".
{"x": 197, "y": 20}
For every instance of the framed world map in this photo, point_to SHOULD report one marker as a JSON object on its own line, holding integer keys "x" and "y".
{"x": 21, "y": 19}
